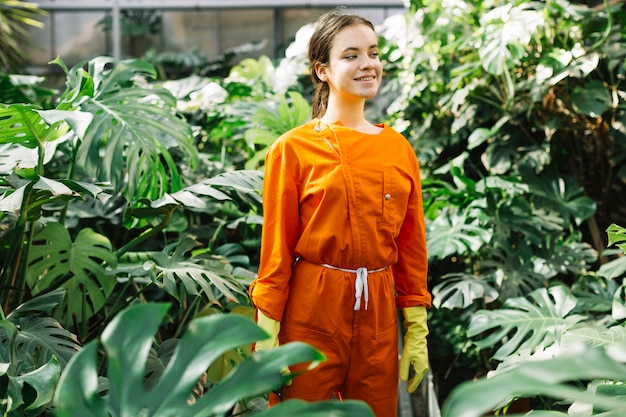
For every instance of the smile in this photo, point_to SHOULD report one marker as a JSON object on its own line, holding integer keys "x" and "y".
{"x": 369, "y": 78}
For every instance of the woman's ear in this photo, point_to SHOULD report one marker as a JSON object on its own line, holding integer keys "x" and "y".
{"x": 320, "y": 71}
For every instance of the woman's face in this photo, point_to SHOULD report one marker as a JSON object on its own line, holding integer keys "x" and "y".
{"x": 354, "y": 70}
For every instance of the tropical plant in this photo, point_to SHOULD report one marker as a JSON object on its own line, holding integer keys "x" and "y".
{"x": 585, "y": 380}
{"x": 552, "y": 347}
{"x": 15, "y": 17}
{"x": 127, "y": 343}
{"x": 33, "y": 350}
{"x": 96, "y": 212}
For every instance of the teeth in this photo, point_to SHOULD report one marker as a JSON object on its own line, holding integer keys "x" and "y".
{"x": 365, "y": 78}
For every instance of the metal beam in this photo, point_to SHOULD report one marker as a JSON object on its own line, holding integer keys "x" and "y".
{"x": 117, "y": 30}
{"x": 87, "y": 5}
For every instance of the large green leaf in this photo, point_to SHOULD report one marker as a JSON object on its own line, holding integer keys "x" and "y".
{"x": 44, "y": 303}
{"x": 77, "y": 392}
{"x": 461, "y": 291}
{"x": 592, "y": 99}
{"x": 42, "y": 338}
{"x": 22, "y": 124}
{"x": 197, "y": 276}
{"x": 239, "y": 185}
{"x": 29, "y": 391}
{"x": 41, "y": 190}
{"x": 42, "y": 381}
{"x": 617, "y": 236}
{"x": 79, "y": 266}
{"x": 506, "y": 31}
{"x": 134, "y": 127}
{"x": 247, "y": 185}
{"x": 252, "y": 377}
{"x": 556, "y": 378}
{"x": 562, "y": 194}
{"x": 525, "y": 323}
{"x": 127, "y": 341}
{"x": 450, "y": 235}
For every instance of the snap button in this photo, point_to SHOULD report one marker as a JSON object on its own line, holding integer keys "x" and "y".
{"x": 387, "y": 196}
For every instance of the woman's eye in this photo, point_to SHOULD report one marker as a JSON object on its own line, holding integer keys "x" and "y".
{"x": 350, "y": 57}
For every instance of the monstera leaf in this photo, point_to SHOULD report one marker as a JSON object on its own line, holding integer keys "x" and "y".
{"x": 33, "y": 337}
{"x": 26, "y": 394}
{"x": 29, "y": 136}
{"x": 243, "y": 185}
{"x": 452, "y": 236}
{"x": 21, "y": 124}
{"x": 42, "y": 338}
{"x": 79, "y": 266}
{"x": 461, "y": 290}
{"x": 506, "y": 31}
{"x": 557, "y": 378}
{"x": 563, "y": 195}
{"x": 134, "y": 128}
{"x": 525, "y": 323}
{"x": 30, "y": 344}
{"x": 127, "y": 342}
{"x": 171, "y": 267}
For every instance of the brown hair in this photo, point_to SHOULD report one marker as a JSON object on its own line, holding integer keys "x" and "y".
{"x": 320, "y": 44}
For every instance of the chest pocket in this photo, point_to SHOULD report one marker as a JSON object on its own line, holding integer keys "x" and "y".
{"x": 395, "y": 197}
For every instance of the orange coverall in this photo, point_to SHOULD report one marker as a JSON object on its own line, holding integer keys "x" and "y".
{"x": 337, "y": 198}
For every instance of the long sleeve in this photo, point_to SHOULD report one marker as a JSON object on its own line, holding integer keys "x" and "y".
{"x": 281, "y": 227}
{"x": 411, "y": 270}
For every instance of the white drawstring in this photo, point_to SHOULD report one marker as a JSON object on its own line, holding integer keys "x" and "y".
{"x": 360, "y": 284}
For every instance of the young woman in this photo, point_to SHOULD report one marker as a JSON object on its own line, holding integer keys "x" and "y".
{"x": 344, "y": 241}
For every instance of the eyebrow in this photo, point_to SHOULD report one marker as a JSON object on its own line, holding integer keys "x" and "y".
{"x": 354, "y": 48}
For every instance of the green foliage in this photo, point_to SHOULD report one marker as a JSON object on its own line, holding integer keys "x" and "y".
{"x": 553, "y": 378}
{"x": 97, "y": 209}
{"x": 545, "y": 342}
{"x": 55, "y": 260}
{"x": 135, "y": 127}
{"x": 127, "y": 341}
{"x": 15, "y": 17}
{"x": 525, "y": 325}
{"x": 33, "y": 350}
{"x": 18, "y": 88}
{"x": 196, "y": 276}
{"x": 292, "y": 111}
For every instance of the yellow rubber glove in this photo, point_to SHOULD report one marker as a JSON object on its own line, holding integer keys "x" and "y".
{"x": 415, "y": 351}
{"x": 271, "y": 327}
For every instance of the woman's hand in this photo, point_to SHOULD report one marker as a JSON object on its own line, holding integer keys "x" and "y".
{"x": 415, "y": 350}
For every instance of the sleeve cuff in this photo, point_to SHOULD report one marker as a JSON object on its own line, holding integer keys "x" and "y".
{"x": 271, "y": 302}
{"x": 413, "y": 301}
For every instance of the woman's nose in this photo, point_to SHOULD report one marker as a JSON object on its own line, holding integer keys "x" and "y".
{"x": 367, "y": 62}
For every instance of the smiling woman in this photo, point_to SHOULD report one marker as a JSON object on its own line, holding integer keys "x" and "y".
{"x": 334, "y": 274}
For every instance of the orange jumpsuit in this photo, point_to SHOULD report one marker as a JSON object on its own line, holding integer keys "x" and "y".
{"x": 336, "y": 200}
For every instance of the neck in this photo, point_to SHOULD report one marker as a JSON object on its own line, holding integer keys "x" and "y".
{"x": 351, "y": 114}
